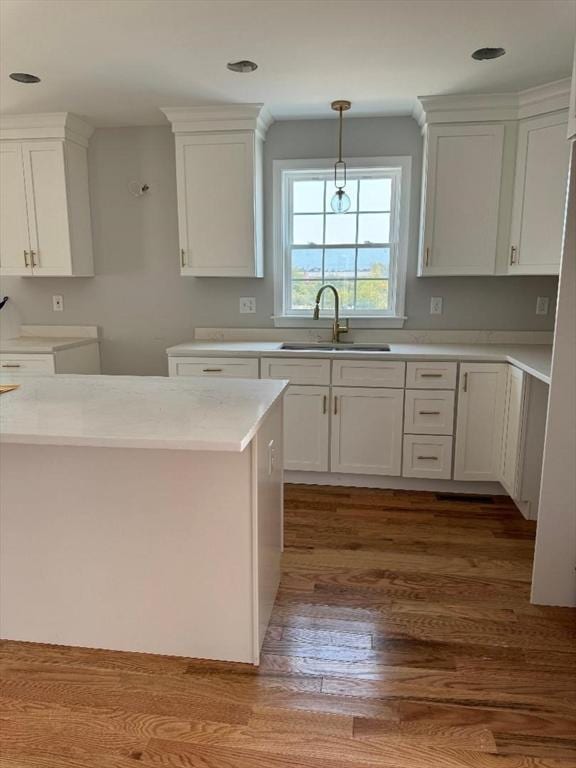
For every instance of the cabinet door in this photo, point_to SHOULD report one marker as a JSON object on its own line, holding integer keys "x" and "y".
{"x": 512, "y": 431}
{"x": 463, "y": 169}
{"x": 45, "y": 174}
{"x": 216, "y": 204}
{"x": 306, "y": 416}
{"x": 14, "y": 240}
{"x": 367, "y": 430}
{"x": 479, "y": 421}
{"x": 539, "y": 196}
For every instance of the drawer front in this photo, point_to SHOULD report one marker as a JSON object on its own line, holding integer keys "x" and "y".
{"x": 368, "y": 373}
{"x": 225, "y": 367}
{"x": 297, "y": 370}
{"x": 32, "y": 364}
{"x": 427, "y": 456}
{"x": 429, "y": 412}
{"x": 431, "y": 375}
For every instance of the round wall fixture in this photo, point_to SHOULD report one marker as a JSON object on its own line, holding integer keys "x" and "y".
{"x": 483, "y": 54}
{"x": 24, "y": 77}
{"x": 243, "y": 66}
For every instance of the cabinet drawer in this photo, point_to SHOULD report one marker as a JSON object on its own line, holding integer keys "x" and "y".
{"x": 431, "y": 375}
{"x": 368, "y": 373}
{"x": 427, "y": 456}
{"x": 429, "y": 412}
{"x": 33, "y": 364}
{"x": 297, "y": 370}
{"x": 225, "y": 367}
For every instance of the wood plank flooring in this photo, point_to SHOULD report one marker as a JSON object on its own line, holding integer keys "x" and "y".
{"x": 402, "y": 637}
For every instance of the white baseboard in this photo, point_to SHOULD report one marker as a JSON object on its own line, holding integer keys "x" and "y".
{"x": 393, "y": 483}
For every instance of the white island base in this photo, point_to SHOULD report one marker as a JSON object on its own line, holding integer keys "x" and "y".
{"x": 162, "y": 551}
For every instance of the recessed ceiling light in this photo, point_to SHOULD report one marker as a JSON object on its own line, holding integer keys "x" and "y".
{"x": 24, "y": 77}
{"x": 483, "y": 54}
{"x": 243, "y": 66}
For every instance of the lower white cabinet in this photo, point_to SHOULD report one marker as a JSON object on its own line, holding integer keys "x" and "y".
{"x": 510, "y": 465}
{"x": 366, "y": 430}
{"x": 224, "y": 367}
{"x": 428, "y": 456}
{"x": 481, "y": 397}
{"x": 306, "y": 428}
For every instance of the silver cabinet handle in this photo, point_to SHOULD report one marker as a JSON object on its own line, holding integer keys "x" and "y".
{"x": 427, "y": 458}
{"x": 34, "y": 263}
{"x": 211, "y": 370}
{"x": 324, "y": 404}
{"x": 513, "y": 252}
{"x": 427, "y": 256}
{"x": 431, "y": 375}
{"x": 182, "y": 257}
{"x": 429, "y": 413}
{"x": 11, "y": 365}
{"x": 26, "y": 254}
{"x": 335, "y": 404}
{"x": 465, "y": 383}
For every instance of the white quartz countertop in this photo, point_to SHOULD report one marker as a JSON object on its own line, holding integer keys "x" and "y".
{"x": 535, "y": 359}
{"x": 136, "y": 411}
{"x": 39, "y": 345}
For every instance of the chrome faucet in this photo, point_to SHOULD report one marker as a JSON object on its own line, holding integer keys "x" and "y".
{"x": 337, "y": 327}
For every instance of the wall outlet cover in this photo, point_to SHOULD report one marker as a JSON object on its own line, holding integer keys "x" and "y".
{"x": 542, "y": 305}
{"x": 57, "y": 303}
{"x": 247, "y": 305}
{"x": 436, "y": 305}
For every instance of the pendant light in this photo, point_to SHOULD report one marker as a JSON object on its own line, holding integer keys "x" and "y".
{"x": 340, "y": 203}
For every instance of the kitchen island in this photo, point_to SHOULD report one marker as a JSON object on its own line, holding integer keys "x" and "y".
{"x": 141, "y": 514}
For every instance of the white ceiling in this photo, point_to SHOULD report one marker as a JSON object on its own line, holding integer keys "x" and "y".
{"x": 116, "y": 61}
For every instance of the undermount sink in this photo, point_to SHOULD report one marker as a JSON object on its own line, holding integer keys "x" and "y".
{"x": 328, "y": 347}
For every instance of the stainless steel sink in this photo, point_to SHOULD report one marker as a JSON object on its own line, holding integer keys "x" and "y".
{"x": 327, "y": 347}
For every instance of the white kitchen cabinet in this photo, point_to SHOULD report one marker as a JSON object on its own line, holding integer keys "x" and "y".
{"x": 44, "y": 200}
{"x": 512, "y": 431}
{"x": 429, "y": 412}
{"x": 427, "y": 456}
{"x": 222, "y": 367}
{"x": 306, "y": 428}
{"x": 480, "y": 417}
{"x": 461, "y": 197}
{"x": 366, "y": 430}
{"x": 302, "y": 370}
{"x": 539, "y": 195}
{"x": 368, "y": 373}
{"x": 219, "y": 189}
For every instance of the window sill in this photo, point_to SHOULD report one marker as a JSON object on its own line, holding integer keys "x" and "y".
{"x": 300, "y": 321}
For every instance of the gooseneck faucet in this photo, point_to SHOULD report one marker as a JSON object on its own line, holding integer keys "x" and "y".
{"x": 337, "y": 327}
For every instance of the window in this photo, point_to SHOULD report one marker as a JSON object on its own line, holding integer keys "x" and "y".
{"x": 361, "y": 252}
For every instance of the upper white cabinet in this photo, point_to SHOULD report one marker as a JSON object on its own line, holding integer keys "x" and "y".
{"x": 463, "y": 170}
{"x": 481, "y": 402}
{"x": 219, "y": 187}
{"x": 44, "y": 199}
{"x": 539, "y": 195}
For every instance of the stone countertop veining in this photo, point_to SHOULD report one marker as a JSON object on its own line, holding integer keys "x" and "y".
{"x": 136, "y": 411}
{"x": 534, "y": 359}
{"x": 41, "y": 345}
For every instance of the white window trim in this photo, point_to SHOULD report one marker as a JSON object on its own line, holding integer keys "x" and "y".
{"x": 281, "y": 167}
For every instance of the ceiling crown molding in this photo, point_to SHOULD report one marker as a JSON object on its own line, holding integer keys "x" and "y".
{"x": 483, "y": 107}
{"x": 46, "y": 125}
{"x": 217, "y": 117}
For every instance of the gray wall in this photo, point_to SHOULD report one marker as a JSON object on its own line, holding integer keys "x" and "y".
{"x": 143, "y": 305}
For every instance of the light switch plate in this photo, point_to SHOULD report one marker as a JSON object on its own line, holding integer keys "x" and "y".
{"x": 436, "y": 305}
{"x": 247, "y": 305}
{"x": 57, "y": 303}
{"x": 542, "y": 305}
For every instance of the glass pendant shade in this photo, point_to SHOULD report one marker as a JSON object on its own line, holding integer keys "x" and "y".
{"x": 340, "y": 203}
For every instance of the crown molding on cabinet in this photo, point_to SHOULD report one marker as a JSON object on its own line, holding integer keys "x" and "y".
{"x": 226, "y": 117}
{"x": 483, "y": 107}
{"x": 46, "y": 125}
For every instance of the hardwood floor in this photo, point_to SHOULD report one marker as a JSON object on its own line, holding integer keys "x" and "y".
{"x": 402, "y": 637}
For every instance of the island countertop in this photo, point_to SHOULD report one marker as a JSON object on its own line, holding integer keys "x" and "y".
{"x": 136, "y": 411}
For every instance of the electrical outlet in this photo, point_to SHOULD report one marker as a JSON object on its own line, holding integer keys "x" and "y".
{"x": 436, "y": 305}
{"x": 57, "y": 303}
{"x": 542, "y": 305}
{"x": 247, "y": 305}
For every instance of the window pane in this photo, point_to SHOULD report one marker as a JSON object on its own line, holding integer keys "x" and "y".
{"x": 373, "y": 227}
{"x": 373, "y": 262}
{"x": 351, "y": 190}
{"x": 304, "y": 293}
{"x": 339, "y": 262}
{"x": 306, "y": 263}
{"x": 308, "y": 196}
{"x": 345, "y": 289}
{"x": 307, "y": 229}
{"x": 375, "y": 194}
{"x": 340, "y": 228}
{"x": 372, "y": 294}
